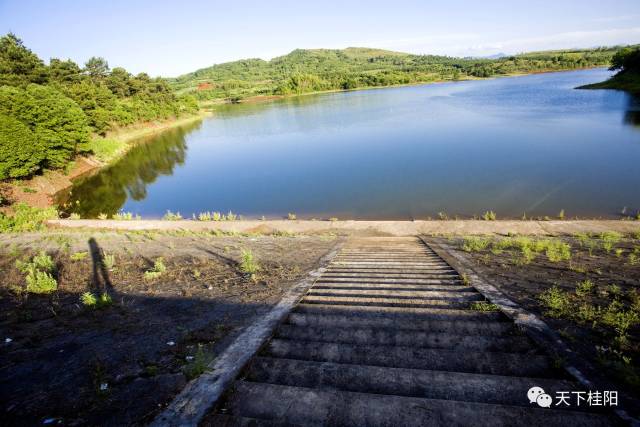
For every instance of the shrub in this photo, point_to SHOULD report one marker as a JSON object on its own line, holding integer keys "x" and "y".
{"x": 584, "y": 288}
{"x": 20, "y": 152}
{"x": 88, "y": 299}
{"x": 609, "y": 239}
{"x": 557, "y": 251}
{"x": 79, "y": 256}
{"x": 248, "y": 264}
{"x": 556, "y": 301}
{"x": 26, "y": 218}
{"x": 156, "y": 271}
{"x": 489, "y": 216}
{"x": 475, "y": 244}
{"x": 41, "y": 282}
{"x": 170, "y": 216}
{"x": 108, "y": 261}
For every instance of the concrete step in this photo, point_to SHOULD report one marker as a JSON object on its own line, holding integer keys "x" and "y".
{"x": 220, "y": 420}
{"x": 394, "y": 275}
{"x": 512, "y": 364}
{"x": 402, "y": 382}
{"x": 456, "y": 326}
{"x": 405, "y": 338}
{"x": 313, "y": 407}
{"x": 414, "y": 313}
{"x": 353, "y": 300}
{"x": 429, "y": 281}
{"x": 398, "y": 293}
{"x": 390, "y": 286}
{"x": 401, "y": 264}
{"x": 390, "y": 270}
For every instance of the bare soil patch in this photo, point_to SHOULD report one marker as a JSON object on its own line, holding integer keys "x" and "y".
{"x": 66, "y": 363}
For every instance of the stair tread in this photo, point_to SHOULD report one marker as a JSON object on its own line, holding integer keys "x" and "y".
{"x": 332, "y": 407}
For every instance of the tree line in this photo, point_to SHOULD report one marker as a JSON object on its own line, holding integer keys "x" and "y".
{"x": 314, "y": 70}
{"x": 49, "y": 113}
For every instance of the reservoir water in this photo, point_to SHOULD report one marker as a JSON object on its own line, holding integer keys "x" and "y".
{"x": 530, "y": 144}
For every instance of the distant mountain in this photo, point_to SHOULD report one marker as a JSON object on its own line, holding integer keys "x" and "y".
{"x": 310, "y": 70}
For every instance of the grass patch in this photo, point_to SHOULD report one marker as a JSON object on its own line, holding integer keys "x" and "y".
{"x": 483, "y": 306}
{"x": 106, "y": 149}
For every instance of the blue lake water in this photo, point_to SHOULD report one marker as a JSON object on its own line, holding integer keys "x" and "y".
{"x": 530, "y": 144}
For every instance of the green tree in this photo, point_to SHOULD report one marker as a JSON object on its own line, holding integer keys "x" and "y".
{"x": 20, "y": 152}
{"x": 118, "y": 82}
{"x": 57, "y": 122}
{"x": 64, "y": 71}
{"x": 625, "y": 60}
{"x": 18, "y": 65}
{"x": 96, "y": 68}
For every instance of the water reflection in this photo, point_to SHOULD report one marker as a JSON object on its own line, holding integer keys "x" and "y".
{"x": 107, "y": 191}
{"x": 632, "y": 115}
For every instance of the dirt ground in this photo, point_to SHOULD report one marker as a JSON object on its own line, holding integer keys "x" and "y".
{"x": 600, "y": 320}
{"x": 63, "y": 363}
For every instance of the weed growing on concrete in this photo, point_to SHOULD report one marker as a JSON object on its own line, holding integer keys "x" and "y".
{"x": 483, "y": 306}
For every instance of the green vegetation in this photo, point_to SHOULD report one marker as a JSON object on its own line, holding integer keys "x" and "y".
{"x": 489, "y": 216}
{"x": 38, "y": 274}
{"x": 483, "y": 306}
{"x": 88, "y": 299}
{"x": 249, "y": 265}
{"x": 156, "y": 271}
{"x": 627, "y": 62}
{"x": 526, "y": 248}
{"x": 109, "y": 261}
{"x": 615, "y": 315}
{"x": 304, "y": 71}
{"x": 198, "y": 365}
{"x": 170, "y": 216}
{"x": 48, "y": 113}
{"x": 79, "y": 256}
{"x": 125, "y": 216}
{"x": 26, "y": 218}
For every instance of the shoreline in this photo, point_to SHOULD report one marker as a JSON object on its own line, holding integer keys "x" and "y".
{"x": 41, "y": 190}
{"x": 355, "y": 227}
{"x": 258, "y": 99}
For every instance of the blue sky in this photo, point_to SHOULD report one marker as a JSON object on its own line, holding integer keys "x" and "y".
{"x": 169, "y": 38}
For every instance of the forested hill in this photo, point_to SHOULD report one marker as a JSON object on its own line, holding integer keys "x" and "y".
{"x": 327, "y": 69}
{"x": 49, "y": 113}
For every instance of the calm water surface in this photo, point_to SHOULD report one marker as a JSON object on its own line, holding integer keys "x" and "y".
{"x": 525, "y": 144}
